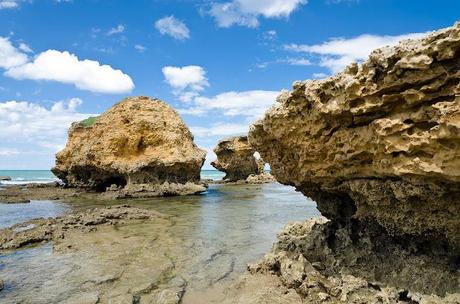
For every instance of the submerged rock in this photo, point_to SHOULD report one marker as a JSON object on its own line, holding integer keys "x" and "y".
{"x": 43, "y": 230}
{"x": 140, "y": 146}
{"x": 378, "y": 148}
{"x": 236, "y": 158}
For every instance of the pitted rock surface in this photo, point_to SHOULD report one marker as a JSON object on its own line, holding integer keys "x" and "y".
{"x": 140, "y": 145}
{"x": 236, "y": 158}
{"x": 378, "y": 148}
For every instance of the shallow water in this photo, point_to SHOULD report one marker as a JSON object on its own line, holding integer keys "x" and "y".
{"x": 20, "y": 177}
{"x": 207, "y": 242}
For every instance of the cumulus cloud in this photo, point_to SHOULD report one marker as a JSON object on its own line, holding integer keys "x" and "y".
{"x": 220, "y": 129}
{"x": 67, "y": 68}
{"x": 116, "y": 30}
{"x": 186, "y": 81}
{"x": 249, "y": 104}
{"x": 247, "y": 12}
{"x": 9, "y": 55}
{"x": 38, "y": 126}
{"x": 8, "y": 4}
{"x": 337, "y": 53}
{"x": 25, "y": 48}
{"x": 140, "y": 48}
{"x": 172, "y": 27}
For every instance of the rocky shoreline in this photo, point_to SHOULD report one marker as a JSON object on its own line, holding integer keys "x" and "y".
{"x": 376, "y": 147}
{"x": 22, "y": 194}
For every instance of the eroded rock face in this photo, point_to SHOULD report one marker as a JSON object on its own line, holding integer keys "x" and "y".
{"x": 236, "y": 158}
{"x": 378, "y": 148}
{"x": 139, "y": 146}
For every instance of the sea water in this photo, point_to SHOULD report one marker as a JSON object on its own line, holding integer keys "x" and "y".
{"x": 19, "y": 177}
{"x": 210, "y": 240}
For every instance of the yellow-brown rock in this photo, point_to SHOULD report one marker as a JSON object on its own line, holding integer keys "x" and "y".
{"x": 236, "y": 158}
{"x": 378, "y": 148}
{"x": 139, "y": 147}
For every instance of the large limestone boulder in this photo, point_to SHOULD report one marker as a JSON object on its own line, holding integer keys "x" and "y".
{"x": 378, "y": 147}
{"x": 236, "y": 158}
{"x": 140, "y": 147}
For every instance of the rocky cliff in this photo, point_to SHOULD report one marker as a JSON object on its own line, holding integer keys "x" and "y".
{"x": 236, "y": 158}
{"x": 378, "y": 148}
{"x": 139, "y": 147}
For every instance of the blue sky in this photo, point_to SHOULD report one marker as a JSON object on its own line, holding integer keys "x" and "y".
{"x": 220, "y": 63}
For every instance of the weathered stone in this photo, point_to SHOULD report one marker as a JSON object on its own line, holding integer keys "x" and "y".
{"x": 379, "y": 141}
{"x": 139, "y": 145}
{"x": 378, "y": 148}
{"x": 43, "y": 230}
{"x": 236, "y": 158}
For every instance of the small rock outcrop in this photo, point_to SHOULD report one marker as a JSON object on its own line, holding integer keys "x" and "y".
{"x": 139, "y": 147}
{"x": 43, "y": 230}
{"x": 5, "y": 178}
{"x": 236, "y": 158}
{"x": 378, "y": 148}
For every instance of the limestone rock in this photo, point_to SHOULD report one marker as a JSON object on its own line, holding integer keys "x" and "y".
{"x": 378, "y": 141}
{"x": 378, "y": 148}
{"x": 236, "y": 158}
{"x": 140, "y": 145}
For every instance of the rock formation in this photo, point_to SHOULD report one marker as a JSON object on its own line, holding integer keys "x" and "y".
{"x": 44, "y": 230}
{"x": 236, "y": 158}
{"x": 378, "y": 148}
{"x": 139, "y": 147}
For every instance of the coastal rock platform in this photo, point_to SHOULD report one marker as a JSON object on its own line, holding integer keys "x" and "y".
{"x": 378, "y": 148}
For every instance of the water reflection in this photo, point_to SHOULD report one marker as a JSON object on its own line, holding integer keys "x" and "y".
{"x": 209, "y": 239}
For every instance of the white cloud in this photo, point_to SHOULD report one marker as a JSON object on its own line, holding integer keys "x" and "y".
{"x": 39, "y": 127}
{"x": 298, "y": 61}
{"x": 172, "y": 27}
{"x": 250, "y": 104}
{"x": 25, "y": 48}
{"x": 186, "y": 81}
{"x": 319, "y": 75}
{"x": 247, "y": 12}
{"x": 337, "y": 53}
{"x": 9, "y": 55}
{"x": 116, "y": 30}
{"x": 8, "y": 152}
{"x": 8, "y": 4}
{"x": 140, "y": 48}
{"x": 220, "y": 129}
{"x": 67, "y": 68}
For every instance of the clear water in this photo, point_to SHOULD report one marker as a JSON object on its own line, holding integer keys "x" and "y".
{"x": 46, "y": 176}
{"x": 210, "y": 240}
{"x": 11, "y": 214}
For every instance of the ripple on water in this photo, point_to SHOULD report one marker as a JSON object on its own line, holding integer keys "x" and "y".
{"x": 208, "y": 241}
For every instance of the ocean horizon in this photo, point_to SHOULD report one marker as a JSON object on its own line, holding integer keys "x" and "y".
{"x": 19, "y": 177}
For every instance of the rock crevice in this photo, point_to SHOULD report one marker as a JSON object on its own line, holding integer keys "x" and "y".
{"x": 378, "y": 148}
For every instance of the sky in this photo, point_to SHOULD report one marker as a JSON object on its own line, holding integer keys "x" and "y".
{"x": 221, "y": 64}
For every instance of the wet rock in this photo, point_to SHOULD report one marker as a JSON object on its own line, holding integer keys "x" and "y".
{"x": 140, "y": 145}
{"x": 377, "y": 147}
{"x": 263, "y": 178}
{"x": 43, "y": 230}
{"x": 236, "y": 158}
{"x": 2, "y": 285}
{"x": 5, "y": 178}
